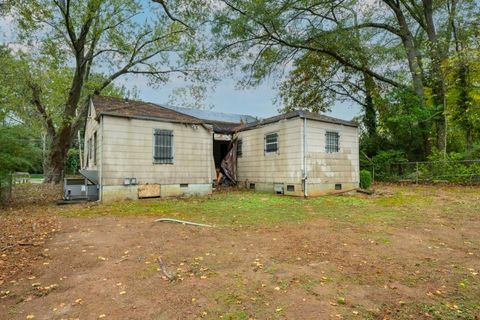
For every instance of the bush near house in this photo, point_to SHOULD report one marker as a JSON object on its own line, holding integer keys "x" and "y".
{"x": 365, "y": 179}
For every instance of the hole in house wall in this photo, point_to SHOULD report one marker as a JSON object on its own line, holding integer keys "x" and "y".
{"x": 183, "y": 185}
{"x": 252, "y": 186}
{"x": 338, "y": 186}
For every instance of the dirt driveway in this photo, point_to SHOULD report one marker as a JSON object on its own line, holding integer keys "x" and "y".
{"x": 105, "y": 266}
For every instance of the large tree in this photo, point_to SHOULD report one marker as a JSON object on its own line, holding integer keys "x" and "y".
{"x": 68, "y": 42}
{"x": 416, "y": 35}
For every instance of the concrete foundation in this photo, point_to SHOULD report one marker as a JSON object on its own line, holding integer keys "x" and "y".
{"x": 116, "y": 193}
{"x": 318, "y": 189}
{"x": 313, "y": 189}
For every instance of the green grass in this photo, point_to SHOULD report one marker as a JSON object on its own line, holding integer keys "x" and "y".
{"x": 248, "y": 208}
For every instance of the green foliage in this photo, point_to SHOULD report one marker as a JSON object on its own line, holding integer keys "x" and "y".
{"x": 406, "y": 124}
{"x": 383, "y": 161}
{"x": 411, "y": 78}
{"x": 17, "y": 151}
{"x": 305, "y": 87}
{"x": 73, "y": 161}
{"x": 71, "y": 50}
{"x": 451, "y": 167}
{"x": 365, "y": 179}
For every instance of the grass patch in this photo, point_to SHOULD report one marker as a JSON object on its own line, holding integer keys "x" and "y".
{"x": 248, "y": 208}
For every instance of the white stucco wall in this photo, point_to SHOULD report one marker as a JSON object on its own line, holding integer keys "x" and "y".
{"x": 324, "y": 170}
{"x": 128, "y": 153}
{"x": 266, "y": 169}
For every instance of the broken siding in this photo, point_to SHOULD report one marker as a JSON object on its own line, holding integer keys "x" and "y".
{"x": 285, "y": 166}
{"x": 128, "y": 152}
{"x": 336, "y": 167}
{"x": 92, "y": 126}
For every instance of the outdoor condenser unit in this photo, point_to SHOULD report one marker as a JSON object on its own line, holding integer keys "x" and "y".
{"x": 80, "y": 189}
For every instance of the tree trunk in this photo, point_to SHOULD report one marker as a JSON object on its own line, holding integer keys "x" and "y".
{"x": 437, "y": 55}
{"x": 370, "y": 117}
{"x": 56, "y": 156}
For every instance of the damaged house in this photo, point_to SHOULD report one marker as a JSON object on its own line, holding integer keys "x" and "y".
{"x": 136, "y": 149}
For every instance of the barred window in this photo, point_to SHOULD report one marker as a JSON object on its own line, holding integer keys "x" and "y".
{"x": 95, "y": 148}
{"x": 271, "y": 142}
{"x": 331, "y": 144}
{"x": 239, "y": 148}
{"x": 90, "y": 149}
{"x": 163, "y": 146}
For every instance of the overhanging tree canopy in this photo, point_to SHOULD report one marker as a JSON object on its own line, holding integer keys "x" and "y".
{"x": 80, "y": 39}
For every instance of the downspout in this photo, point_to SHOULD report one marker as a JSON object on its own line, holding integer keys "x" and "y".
{"x": 305, "y": 171}
{"x": 101, "y": 162}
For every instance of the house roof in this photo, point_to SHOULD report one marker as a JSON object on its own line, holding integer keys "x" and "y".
{"x": 210, "y": 115}
{"x": 220, "y": 122}
{"x": 139, "y": 109}
{"x": 301, "y": 114}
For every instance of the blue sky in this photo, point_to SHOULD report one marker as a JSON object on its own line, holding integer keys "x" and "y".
{"x": 258, "y": 101}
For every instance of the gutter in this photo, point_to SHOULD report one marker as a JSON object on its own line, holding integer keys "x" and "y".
{"x": 305, "y": 171}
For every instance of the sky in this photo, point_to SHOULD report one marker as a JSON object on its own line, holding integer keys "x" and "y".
{"x": 226, "y": 97}
{"x": 258, "y": 101}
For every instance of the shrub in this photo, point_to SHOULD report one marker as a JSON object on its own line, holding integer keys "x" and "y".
{"x": 365, "y": 179}
{"x": 384, "y": 161}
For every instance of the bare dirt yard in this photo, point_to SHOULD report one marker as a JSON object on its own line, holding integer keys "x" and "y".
{"x": 407, "y": 252}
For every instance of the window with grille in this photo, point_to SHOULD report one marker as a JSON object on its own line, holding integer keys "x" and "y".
{"x": 95, "y": 148}
{"x": 90, "y": 149}
{"x": 332, "y": 141}
{"x": 271, "y": 142}
{"x": 163, "y": 146}
{"x": 239, "y": 148}
{"x": 87, "y": 152}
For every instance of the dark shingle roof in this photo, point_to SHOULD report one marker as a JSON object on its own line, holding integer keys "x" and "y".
{"x": 302, "y": 114}
{"x": 146, "y": 110}
{"x": 139, "y": 109}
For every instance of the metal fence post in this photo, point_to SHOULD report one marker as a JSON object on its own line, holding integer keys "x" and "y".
{"x": 416, "y": 173}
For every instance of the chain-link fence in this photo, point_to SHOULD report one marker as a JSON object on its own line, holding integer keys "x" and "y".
{"x": 454, "y": 171}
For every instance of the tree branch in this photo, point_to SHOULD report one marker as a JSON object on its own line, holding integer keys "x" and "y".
{"x": 164, "y": 6}
{"x": 331, "y": 53}
{"x": 36, "y": 101}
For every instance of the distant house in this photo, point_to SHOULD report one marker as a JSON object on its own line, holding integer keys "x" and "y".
{"x": 137, "y": 149}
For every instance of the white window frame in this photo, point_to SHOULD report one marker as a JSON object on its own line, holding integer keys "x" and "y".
{"x": 329, "y": 147}
{"x": 269, "y": 143}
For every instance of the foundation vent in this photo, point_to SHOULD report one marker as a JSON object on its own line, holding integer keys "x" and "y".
{"x": 338, "y": 186}
{"x": 278, "y": 188}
